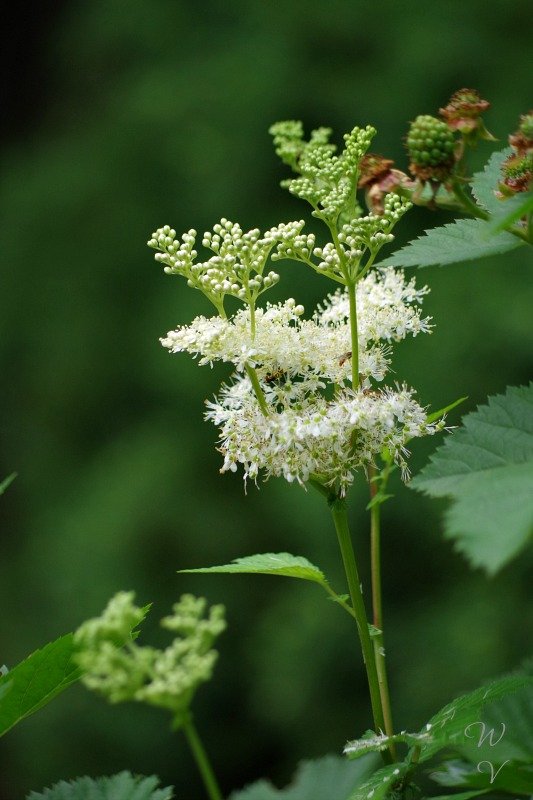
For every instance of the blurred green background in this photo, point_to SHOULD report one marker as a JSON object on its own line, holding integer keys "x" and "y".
{"x": 124, "y": 116}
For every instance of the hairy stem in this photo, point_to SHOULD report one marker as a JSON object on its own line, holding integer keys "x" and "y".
{"x": 202, "y": 761}
{"x": 340, "y": 518}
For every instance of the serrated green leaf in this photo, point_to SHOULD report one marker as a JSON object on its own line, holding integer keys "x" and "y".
{"x": 462, "y": 240}
{"x": 330, "y": 777}
{"x": 513, "y": 209}
{"x": 460, "y": 795}
{"x": 7, "y": 482}
{"x": 454, "y": 724}
{"x": 382, "y": 782}
{"x": 511, "y": 719}
{"x": 270, "y": 564}
{"x": 507, "y": 777}
{"x": 36, "y": 681}
{"x": 485, "y": 183}
{"x": 123, "y": 786}
{"x": 486, "y": 467}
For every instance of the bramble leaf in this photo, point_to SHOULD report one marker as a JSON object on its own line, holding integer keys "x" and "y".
{"x": 455, "y": 724}
{"x": 381, "y": 783}
{"x": 37, "y": 680}
{"x": 492, "y": 774}
{"x": 513, "y": 208}
{"x": 123, "y": 786}
{"x": 270, "y": 564}
{"x": 329, "y": 777}
{"x": 485, "y": 183}
{"x": 486, "y": 467}
{"x": 462, "y": 240}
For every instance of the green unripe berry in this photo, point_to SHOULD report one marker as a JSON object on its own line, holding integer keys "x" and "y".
{"x": 430, "y": 142}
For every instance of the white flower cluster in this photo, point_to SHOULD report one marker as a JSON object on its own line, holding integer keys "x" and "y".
{"x": 285, "y": 343}
{"x": 314, "y": 435}
{"x": 316, "y": 423}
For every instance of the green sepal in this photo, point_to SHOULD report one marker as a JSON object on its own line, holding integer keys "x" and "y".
{"x": 435, "y": 415}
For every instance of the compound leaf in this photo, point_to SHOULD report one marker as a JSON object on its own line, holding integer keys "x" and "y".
{"x": 329, "y": 777}
{"x": 485, "y": 183}
{"x": 486, "y": 467}
{"x": 462, "y": 240}
{"x": 455, "y": 725}
{"x": 123, "y": 786}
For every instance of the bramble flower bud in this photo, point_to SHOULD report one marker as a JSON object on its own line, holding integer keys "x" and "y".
{"x": 522, "y": 140}
{"x": 463, "y": 114}
{"x": 517, "y": 171}
{"x": 431, "y": 146}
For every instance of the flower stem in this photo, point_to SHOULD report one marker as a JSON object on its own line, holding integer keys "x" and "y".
{"x": 353, "y": 333}
{"x": 340, "y": 519}
{"x": 202, "y": 761}
{"x": 377, "y": 606}
{"x": 466, "y": 202}
{"x": 256, "y": 386}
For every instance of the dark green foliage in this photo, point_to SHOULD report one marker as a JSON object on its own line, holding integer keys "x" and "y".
{"x": 37, "y": 680}
{"x": 118, "y": 787}
{"x": 156, "y": 112}
{"x": 330, "y": 776}
{"x": 486, "y": 467}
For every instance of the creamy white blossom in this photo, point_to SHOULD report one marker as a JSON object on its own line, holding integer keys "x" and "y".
{"x": 284, "y": 342}
{"x": 388, "y": 307}
{"x": 331, "y": 438}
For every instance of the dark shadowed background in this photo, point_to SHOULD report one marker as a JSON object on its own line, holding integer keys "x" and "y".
{"x": 121, "y": 117}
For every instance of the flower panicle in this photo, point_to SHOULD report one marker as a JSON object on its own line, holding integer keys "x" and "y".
{"x": 120, "y": 669}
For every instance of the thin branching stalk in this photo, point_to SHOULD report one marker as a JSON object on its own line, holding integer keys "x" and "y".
{"x": 202, "y": 761}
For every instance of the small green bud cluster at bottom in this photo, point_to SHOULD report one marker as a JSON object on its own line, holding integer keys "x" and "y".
{"x": 117, "y": 667}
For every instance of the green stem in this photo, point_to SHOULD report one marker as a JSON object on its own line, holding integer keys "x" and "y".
{"x": 202, "y": 761}
{"x": 252, "y": 318}
{"x": 466, "y": 201}
{"x": 333, "y": 594}
{"x": 353, "y": 333}
{"x": 256, "y": 386}
{"x": 377, "y": 606}
{"x": 340, "y": 518}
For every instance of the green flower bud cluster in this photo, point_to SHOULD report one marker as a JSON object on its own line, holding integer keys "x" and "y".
{"x": 295, "y": 245}
{"x": 166, "y": 678}
{"x": 328, "y": 182}
{"x": 430, "y": 142}
{"x": 360, "y": 236}
{"x": 236, "y": 269}
{"x": 290, "y": 145}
